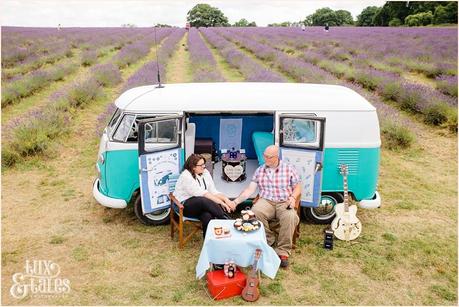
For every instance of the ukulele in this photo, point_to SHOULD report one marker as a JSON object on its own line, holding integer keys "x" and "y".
{"x": 251, "y": 292}
{"x": 346, "y": 225}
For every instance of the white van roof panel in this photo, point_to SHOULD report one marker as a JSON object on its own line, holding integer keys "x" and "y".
{"x": 242, "y": 96}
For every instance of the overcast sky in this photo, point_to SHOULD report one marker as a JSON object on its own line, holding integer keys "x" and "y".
{"x": 113, "y": 13}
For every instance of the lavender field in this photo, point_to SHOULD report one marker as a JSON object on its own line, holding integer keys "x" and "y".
{"x": 58, "y": 88}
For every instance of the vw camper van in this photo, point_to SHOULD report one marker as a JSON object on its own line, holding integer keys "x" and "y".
{"x": 317, "y": 127}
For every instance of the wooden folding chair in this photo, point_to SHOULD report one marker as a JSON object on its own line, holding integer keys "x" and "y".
{"x": 296, "y": 234}
{"x": 177, "y": 210}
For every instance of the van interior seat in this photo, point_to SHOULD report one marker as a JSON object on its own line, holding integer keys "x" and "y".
{"x": 190, "y": 137}
{"x": 261, "y": 140}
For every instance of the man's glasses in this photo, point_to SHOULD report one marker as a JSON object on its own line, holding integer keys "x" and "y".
{"x": 201, "y": 165}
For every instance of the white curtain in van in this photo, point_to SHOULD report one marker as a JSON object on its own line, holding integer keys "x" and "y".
{"x": 230, "y": 133}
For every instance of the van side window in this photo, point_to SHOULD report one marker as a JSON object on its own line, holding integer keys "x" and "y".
{"x": 125, "y": 128}
{"x": 298, "y": 130}
{"x": 162, "y": 131}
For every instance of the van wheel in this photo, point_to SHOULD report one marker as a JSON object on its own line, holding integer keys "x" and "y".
{"x": 325, "y": 212}
{"x": 156, "y": 218}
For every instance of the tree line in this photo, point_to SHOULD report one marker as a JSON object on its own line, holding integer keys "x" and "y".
{"x": 409, "y": 13}
{"x": 392, "y": 13}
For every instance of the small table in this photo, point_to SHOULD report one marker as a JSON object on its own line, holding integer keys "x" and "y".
{"x": 240, "y": 247}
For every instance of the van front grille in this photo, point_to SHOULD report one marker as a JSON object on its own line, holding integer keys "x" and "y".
{"x": 350, "y": 158}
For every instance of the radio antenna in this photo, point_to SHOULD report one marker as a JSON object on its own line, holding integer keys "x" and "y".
{"x": 157, "y": 63}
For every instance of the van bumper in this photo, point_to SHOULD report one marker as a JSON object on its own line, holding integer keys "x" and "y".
{"x": 373, "y": 203}
{"x": 105, "y": 200}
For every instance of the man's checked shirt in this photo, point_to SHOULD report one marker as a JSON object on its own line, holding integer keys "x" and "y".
{"x": 276, "y": 184}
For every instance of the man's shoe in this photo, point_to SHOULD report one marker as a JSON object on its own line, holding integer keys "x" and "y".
{"x": 284, "y": 261}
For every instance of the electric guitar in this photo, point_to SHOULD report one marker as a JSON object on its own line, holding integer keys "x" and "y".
{"x": 346, "y": 225}
{"x": 251, "y": 293}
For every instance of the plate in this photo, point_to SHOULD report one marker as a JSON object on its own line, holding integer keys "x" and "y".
{"x": 248, "y": 226}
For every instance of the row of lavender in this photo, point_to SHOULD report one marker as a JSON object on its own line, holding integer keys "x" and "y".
{"x": 204, "y": 66}
{"x": 29, "y": 78}
{"x": 251, "y": 70}
{"x": 29, "y": 84}
{"x": 431, "y": 52}
{"x": 436, "y": 107}
{"x": 27, "y": 49}
{"x": 33, "y": 133}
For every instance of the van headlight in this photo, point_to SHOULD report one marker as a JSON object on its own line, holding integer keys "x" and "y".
{"x": 98, "y": 170}
{"x": 101, "y": 159}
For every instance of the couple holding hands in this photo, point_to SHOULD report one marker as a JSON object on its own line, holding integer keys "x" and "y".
{"x": 279, "y": 188}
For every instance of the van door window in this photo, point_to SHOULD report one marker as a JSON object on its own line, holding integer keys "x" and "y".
{"x": 164, "y": 132}
{"x": 300, "y": 132}
{"x": 125, "y": 128}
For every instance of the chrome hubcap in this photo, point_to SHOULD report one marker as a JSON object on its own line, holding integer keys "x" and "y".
{"x": 158, "y": 215}
{"x": 326, "y": 208}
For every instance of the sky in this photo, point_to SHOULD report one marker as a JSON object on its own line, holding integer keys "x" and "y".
{"x": 144, "y": 13}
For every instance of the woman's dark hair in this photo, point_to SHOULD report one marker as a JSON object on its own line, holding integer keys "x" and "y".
{"x": 191, "y": 163}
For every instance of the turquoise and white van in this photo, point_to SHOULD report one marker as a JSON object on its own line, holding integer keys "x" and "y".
{"x": 317, "y": 127}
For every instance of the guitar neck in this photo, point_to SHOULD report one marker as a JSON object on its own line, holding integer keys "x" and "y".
{"x": 346, "y": 194}
{"x": 254, "y": 268}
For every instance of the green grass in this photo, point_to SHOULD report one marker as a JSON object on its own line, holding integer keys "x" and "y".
{"x": 80, "y": 253}
{"x": 56, "y": 239}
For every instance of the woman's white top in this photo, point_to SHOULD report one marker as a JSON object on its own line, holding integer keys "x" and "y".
{"x": 187, "y": 186}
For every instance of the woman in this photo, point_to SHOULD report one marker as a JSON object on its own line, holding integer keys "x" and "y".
{"x": 196, "y": 190}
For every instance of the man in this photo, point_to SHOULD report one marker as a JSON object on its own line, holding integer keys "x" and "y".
{"x": 279, "y": 188}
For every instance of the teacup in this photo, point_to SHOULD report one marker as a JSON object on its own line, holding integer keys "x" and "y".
{"x": 218, "y": 230}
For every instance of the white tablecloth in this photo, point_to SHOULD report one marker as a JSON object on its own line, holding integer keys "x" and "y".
{"x": 240, "y": 247}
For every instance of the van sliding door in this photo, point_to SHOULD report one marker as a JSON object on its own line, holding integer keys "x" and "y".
{"x": 160, "y": 160}
{"x": 301, "y": 142}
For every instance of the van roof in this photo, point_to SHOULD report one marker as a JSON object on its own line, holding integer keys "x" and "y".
{"x": 242, "y": 96}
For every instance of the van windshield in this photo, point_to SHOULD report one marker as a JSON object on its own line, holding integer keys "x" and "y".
{"x": 114, "y": 120}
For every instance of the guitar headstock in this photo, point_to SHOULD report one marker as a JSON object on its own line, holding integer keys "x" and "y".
{"x": 343, "y": 169}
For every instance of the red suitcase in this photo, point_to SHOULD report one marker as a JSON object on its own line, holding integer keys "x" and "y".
{"x": 221, "y": 287}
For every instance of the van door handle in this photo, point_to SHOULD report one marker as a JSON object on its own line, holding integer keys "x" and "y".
{"x": 146, "y": 169}
{"x": 318, "y": 167}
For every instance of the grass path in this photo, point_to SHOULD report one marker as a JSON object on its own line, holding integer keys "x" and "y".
{"x": 178, "y": 68}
